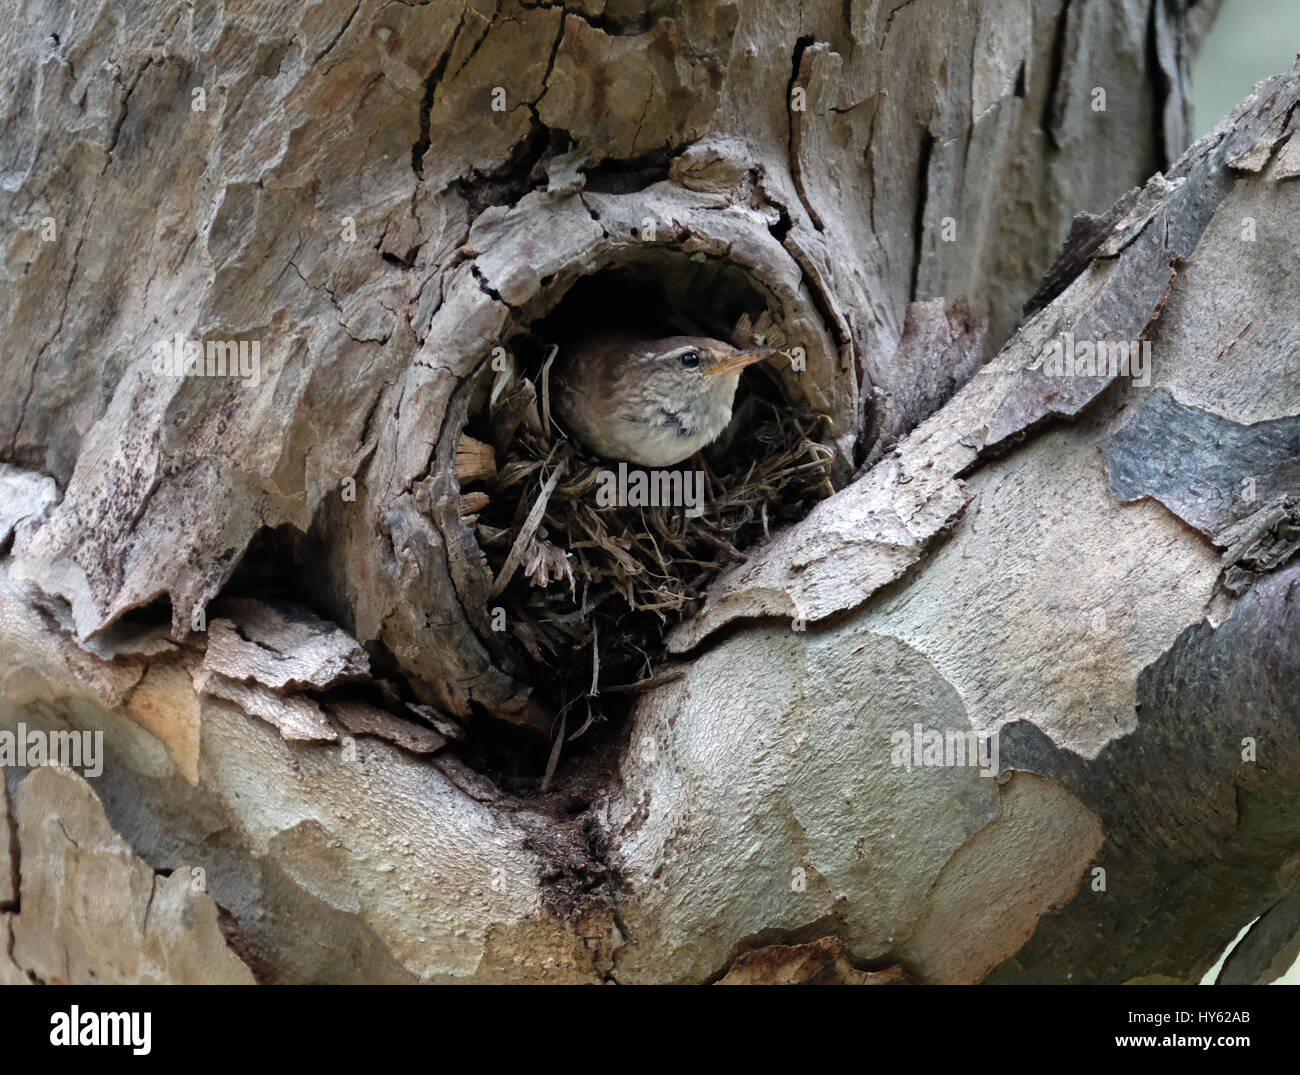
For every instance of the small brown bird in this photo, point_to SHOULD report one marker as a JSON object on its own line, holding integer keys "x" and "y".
{"x": 653, "y": 402}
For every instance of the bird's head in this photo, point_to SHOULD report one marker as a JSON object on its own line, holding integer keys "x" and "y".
{"x": 693, "y": 371}
{"x": 651, "y": 401}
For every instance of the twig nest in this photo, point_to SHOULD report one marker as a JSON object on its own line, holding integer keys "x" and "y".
{"x": 592, "y": 559}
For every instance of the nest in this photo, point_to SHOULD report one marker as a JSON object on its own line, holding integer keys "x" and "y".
{"x": 589, "y": 591}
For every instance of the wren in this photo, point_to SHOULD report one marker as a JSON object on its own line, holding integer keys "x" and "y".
{"x": 653, "y": 402}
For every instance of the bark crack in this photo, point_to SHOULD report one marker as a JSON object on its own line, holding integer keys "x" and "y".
{"x": 889, "y": 22}
{"x": 488, "y": 289}
{"x": 335, "y": 40}
{"x": 347, "y": 329}
{"x": 1055, "y": 74}
{"x": 793, "y": 132}
{"x": 426, "y": 102}
{"x": 121, "y": 120}
{"x": 63, "y": 313}
{"x": 922, "y": 196}
{"x": 15, "y": 879}
{"x": 153, "y": 891}
{"x": 59, "y": 821}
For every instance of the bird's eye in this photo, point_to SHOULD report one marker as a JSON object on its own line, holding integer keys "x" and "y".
{"x": 690, "y": 359}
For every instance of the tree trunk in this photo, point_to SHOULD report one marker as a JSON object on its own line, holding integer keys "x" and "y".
{"x": 374, "y": 707}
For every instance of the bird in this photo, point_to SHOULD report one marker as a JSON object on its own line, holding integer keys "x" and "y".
{"x": 653, "y": 402}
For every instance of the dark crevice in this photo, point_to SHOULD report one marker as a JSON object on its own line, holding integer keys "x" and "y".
{"x": 630, "y": 23}
{"x": 126, "y": 98}
{"x": 550, "y": 66}
{"x": 796, "y": 58}
{"x": 487, "y": 30}
{"x": 522, "y": 172}
{"x": 525, "y": 170}
{"x": 426, "y": 105}
{"x": 1162, "y": 89}
{"x": 821, "y": 301}
{"x": 12, "y": 836}
{"x": 629, "y": 176}
{"x": 783, "y": 224}
{"x": 488, "y": 289}
{"x": 1047, "y": 122}
{"x": 791, "y": 153}
{"x": 918, "y": 221}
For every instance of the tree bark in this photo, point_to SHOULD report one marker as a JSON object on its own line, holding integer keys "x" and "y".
{"x": 277, "y": 596}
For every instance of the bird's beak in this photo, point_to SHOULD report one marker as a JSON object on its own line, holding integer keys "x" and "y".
{"x": 741, "y": 359}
